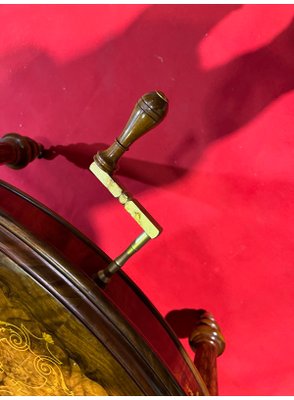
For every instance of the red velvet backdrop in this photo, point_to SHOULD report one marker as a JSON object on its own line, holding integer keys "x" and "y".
{"x": 217, "y": 174}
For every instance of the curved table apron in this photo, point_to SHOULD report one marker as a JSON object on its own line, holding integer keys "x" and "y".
{"x": 98, "y": 341}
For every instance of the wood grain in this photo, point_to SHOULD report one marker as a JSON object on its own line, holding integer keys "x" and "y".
{"x": 143, "y": 371}
{"x": 80, "y": 260}
{"x": 50, "y": 352}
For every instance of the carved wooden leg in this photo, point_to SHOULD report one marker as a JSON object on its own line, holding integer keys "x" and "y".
{"x": 207, "y": 342}
{"x": 18, "y": 151}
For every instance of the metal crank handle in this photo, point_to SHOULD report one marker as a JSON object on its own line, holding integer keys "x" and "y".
{"x": 148, "y": 112}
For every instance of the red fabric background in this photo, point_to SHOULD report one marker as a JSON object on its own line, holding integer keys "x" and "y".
{"x": 217, "y": 174}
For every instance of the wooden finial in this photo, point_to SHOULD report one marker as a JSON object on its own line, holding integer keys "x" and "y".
{"x": 208, "y": 343}
{"x": 148, "y": 112}
{"x": 18, "y": 151}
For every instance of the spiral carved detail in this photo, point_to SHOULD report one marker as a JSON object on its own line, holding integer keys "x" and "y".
{"x": 207, "y": 342}
{"x": 207, "y": 330}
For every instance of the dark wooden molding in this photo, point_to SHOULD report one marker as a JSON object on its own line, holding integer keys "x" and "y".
{"x": 17, "y": 151}
{"x": 83, "y": 301}
{"x": 208, "y": 343}
{"x": 82, "y": 258}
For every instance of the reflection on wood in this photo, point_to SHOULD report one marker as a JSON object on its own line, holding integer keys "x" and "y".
{"x": 44, "y": 350}
{"x": 208, "y": 343}
{"x": 115, "y": 336}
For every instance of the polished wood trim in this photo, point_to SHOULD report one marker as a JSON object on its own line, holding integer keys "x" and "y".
{"x": 17, "y": 151}
{"x": 122, "y": 292}
{"x": 61, "y": 222}
{"x": 82, "y": 298}
{"x": 208, "y": 343}
{"x": 171, "y": 333}
{"x": 45, "y": 349}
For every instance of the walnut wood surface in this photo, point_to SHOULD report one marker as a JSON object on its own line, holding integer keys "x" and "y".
{"x": 79, "y": 297}
{"x": 83, "y": 259}
{"x": 44, "y": 351}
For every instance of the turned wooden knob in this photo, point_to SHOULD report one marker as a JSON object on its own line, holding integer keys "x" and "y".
{"x": 148, "y": 112}
{"x": 207, "y": 330}
{"x": 17, "y": 151}
{"x": 208, "y": 343}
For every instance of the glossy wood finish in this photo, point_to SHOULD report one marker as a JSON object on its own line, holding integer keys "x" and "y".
{"x": 148, "y": 112}
{"x": 208, "y": 343}
{"x": 45, "y": 350}
{"x": 140, "y": 340}
{"x": 18, "y": 151}
{"x": 82, "y": 302}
